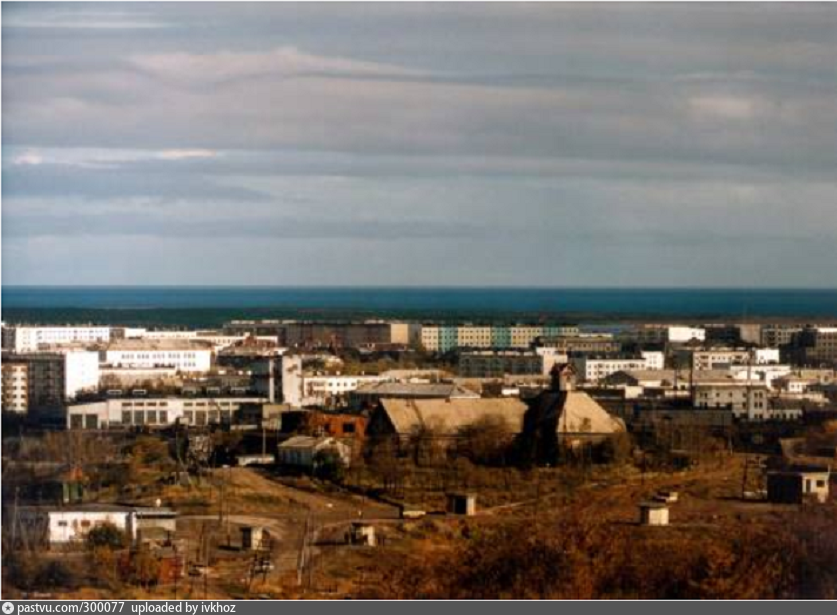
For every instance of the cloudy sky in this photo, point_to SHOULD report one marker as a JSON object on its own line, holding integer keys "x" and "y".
{"x": 420, "y": 144}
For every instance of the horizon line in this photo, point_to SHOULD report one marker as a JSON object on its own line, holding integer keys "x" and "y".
{"x": 406, "y": 287}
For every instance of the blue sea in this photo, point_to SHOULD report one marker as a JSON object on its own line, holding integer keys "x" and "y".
{"x": 211, "y": 305}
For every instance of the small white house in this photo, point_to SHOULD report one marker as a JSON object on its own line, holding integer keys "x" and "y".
{"x": 65, "y": 526}
{"x": 653, "y": 513}
{"x": 301, "y": 451}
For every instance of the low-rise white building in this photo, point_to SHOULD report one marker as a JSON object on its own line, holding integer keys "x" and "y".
{"x": 301, "y": 451}
{"x": 216, "y": 339}
{"x": 67, "y": 526}
{"x": 301, "y": 388}
{"x": 594, "y": 369}
{"x": 719, "y": 358}
{"x": 183, "y": 355}
{"x": 654, "y": 359}
{"x": 145, "y": 412}
{"x": 749, "y": 400}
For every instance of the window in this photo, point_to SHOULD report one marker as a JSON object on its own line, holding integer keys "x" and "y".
{"x": 126, "y": 417}
{"x": 820, "y": 484}
{"x": 348, "y": 428}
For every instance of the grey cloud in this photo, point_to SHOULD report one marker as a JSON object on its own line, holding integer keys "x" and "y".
{"x": 62, "y": 181}
{"x": 615, "y": 139}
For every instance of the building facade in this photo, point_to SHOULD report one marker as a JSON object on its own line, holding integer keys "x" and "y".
{"x": 156, "y": 412}
{"x": 15, "y": 387}
{"x": 498, "y": 363}
{"x": 183, "y": 355}
{"x": 30, "y": 339}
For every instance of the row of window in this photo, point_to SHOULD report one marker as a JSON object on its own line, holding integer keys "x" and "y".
{"x": 139, "y": 404}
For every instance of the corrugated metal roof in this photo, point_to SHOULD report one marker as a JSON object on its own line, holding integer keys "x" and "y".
{"x": 446, "y": 417}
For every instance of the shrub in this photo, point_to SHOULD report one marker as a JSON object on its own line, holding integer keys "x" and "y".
{"x": 106, "y": 535}
{"x": 328, "y": 465}
{"x": 56, "y": 574}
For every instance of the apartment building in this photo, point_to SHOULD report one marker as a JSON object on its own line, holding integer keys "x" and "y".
{"x": 667, "y": 334}
{"x": 443, "y": 338}
{"x": 51, "y": 378}
{"x": 720, "y": 358}
{"x": 474, "y": 337}
{"x": 814, "y": 346}
{"x": 593, "y": 344}
{"x": 15, "y": 386}
{"x": 740, "y": 397}
{"x": 21, "y": 338}
{"x": 498, "y": 363}
{"x": 777, "y": 335}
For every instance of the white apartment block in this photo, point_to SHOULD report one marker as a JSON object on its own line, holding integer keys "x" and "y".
{"x": 183, "y": 355}
{"x": 719, "y": 358}
{"x": 30, "y": 339}
{"x": 592, "y": 369}
{"x": 654, "y": 359}
{"x": 81, "y": 372}
{"x": 766, "y": 374}
{"x": 743, "y": 399}
{"x": 159, "y": 412}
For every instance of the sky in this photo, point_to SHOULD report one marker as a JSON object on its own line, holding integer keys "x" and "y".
{"x": 420, "y": 144}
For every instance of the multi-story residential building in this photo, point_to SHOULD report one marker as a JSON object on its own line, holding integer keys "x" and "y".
{"x": 217, "y": 339}
{"x": 667, "y": 334}
{"x": 778, "y": 335}
{"x": 150, "y": 412}
{"x": 814, "y": 346}
{"x": 443, "y": 338}
{"x": 742, "y": 398}
{"x": 406, "y": 333}
{"x": 15, "y": 386}
{"x": 724, "y": 334}
{"x": 430, "y": 338}
{"x": 498, "y": 363}
{"x": 54, "y": 377}
{"x": 594, "y": 344}
{"x": 473, "y": 337}
{"x": 654, "y": 359}
{"x": 310, "y": 334}
{"x": 183, "y": 355}
{"x": 523, "y": 336}
{"x": 23, "y": 338}
{"x": 720, "y": 358}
